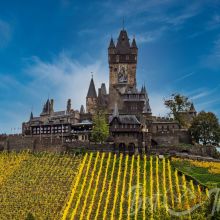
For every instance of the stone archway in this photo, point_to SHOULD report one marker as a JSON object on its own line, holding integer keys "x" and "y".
{"x": 131, "y": 148}
{"x": 122, "y": 147}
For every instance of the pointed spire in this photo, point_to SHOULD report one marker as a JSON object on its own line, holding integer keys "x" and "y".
{"x": 111, "y": 44}
{"x": 147, "y": 108}
{"x": 91, "y": 92}
{"x": 145, "y": 91}
{"x": 68, "y": 105}
{"x": 142, "y": 89}
{"x": 47, "y": 106}
{"x": 123, "y": 45}
{"x": 115, "y": 112}
{"x": 133, "y": 44}
{"x": 82, "y": 109}
{"x": 31, "y": 116}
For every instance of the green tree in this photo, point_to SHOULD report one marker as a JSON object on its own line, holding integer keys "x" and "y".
{"x": 100, "y": 129}
{"x": 177, "y": 104}
{"x": 205, "y": 128}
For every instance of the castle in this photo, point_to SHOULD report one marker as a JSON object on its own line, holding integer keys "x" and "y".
{"x": 131, "y": 122}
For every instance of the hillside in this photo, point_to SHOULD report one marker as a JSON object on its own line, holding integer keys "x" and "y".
{"x": 94, "y": 186}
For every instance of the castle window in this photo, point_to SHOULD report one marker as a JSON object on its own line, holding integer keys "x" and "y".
{"x": 127, "y": 57}
{"x": 117, "y": 58}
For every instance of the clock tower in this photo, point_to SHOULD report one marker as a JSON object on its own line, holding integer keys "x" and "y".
{"x": 122, "y": 58}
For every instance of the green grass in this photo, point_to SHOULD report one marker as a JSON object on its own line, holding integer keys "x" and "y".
{"x": 202, "y": 175}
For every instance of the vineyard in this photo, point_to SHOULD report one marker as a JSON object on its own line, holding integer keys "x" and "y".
{"x": 96, "y": 186}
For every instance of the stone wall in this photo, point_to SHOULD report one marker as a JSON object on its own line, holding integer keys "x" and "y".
{"x": 165, "y": 139}
{"x": 19, "y": 142}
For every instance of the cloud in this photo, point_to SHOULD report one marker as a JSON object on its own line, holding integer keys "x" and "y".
{"x": 184, "y": 77}
{"x": 150, "y": 36}
{"x": 61, "y": 78}
{"x": 205, "y": 92}
{"x": 64, "y": 78}
{"x": 212, "y": 60}
{"x": 5, "y": 33}
{"x": 157, "y": 104}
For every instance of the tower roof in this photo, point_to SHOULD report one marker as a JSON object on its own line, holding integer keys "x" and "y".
{"x": 123, "y": 45}
{"x": 31, "y": 116}
{"x": 111, "y": 44}
{"x": 82, "y": 109}
{"x": 133, "y": 44}
{"x": 91, "y": 92}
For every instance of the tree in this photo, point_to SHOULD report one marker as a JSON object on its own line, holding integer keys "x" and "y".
{"x": 205, "y": 128}
{"x": 177, "y": 105}
{"x": 100, "y": 129}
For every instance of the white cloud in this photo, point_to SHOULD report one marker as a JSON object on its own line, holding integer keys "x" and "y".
{"x": 150, "y": 36}
{"x": 157, "y": 104}
{"x": 65, "y": 78}
{"x": 212, "y": 60}
{"x": 5, "y": 33}
{"x": 184, "y": 77}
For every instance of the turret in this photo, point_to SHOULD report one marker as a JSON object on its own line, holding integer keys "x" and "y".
{"x": 68, "y": 106}
{"x": 134, "y": 48}
{"x": 82, "y": 110}
{"x": 111, "y": 48}
{"x": 51, "y": 110}
{"x": 48, "y": 107}
{"x": 91, "y": 98}
{"x": 31, "y": 116}
{"x": 123, "y": 52}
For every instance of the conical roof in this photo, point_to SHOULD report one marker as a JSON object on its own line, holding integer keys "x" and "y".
{"x": 133, "y": 44}
{"x": 123, "y": 45}
{"x": 82, "y": 109}
{"x": 91, "y": 92}
{"x": 111, "y": 44}
{"x": 31, "y": 116}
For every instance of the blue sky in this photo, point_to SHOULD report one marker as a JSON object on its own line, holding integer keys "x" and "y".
{"x": 50, "y": 48}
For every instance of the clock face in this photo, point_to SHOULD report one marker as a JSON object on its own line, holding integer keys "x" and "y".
{"x": 122, "y": 74}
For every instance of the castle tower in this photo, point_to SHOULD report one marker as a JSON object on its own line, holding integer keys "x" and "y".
{"x": 91, "y": 98}
{"x": 68, "y": 106}
{"x": 122, "y": 66}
